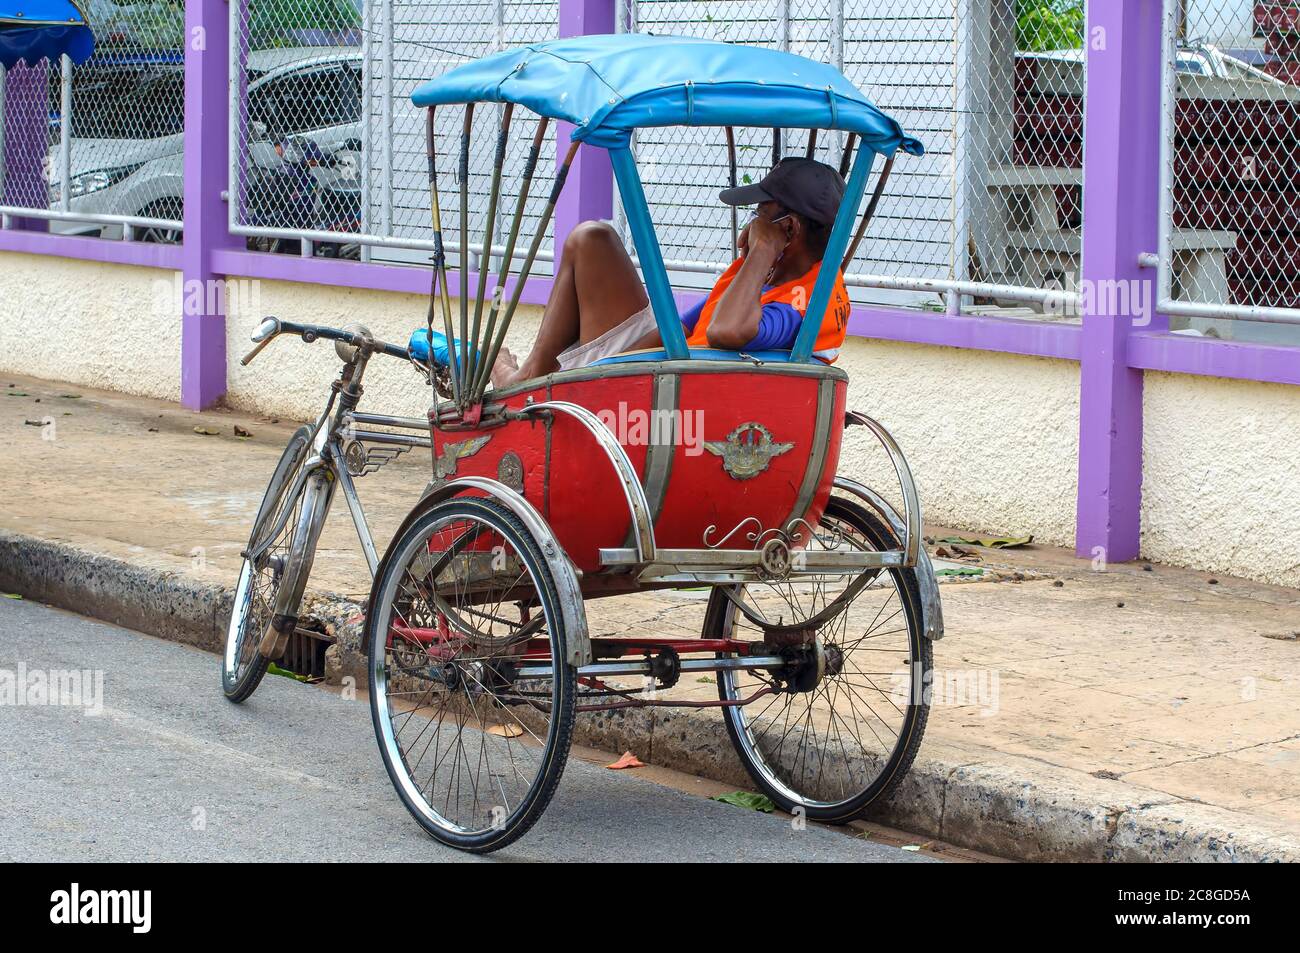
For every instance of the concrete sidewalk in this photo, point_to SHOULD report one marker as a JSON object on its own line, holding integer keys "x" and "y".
{"x": 1124, "y": 712}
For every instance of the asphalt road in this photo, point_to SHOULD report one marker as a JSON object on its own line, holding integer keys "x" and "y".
{"x": 171, "y": 771}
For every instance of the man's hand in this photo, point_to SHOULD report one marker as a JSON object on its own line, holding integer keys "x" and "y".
{"x": 766, "y": 236}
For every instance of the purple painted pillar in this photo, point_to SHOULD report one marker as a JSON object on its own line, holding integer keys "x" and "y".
{"x": 203, "y": 319}
{"x": 1120, "y": 209}
{"x": 589, "y": 192}
{"x": 27, "y": 140}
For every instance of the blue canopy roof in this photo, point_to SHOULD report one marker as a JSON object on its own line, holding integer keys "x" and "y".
{"x": 32, "y": 30}
{"x": 609, "y": 85}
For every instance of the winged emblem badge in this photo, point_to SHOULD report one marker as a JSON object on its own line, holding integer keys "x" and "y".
{"x": 444, "y": 463}
{"x": 748, "y": 450}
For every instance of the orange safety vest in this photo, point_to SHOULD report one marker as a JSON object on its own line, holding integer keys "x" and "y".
{"x": 797, "y": 294}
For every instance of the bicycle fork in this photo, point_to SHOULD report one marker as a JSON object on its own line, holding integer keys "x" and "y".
{"x": 317, "y": 494}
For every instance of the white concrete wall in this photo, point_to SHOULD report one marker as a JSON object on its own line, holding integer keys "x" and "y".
{"x": 291, "y": 379}
{"x": 1221, "y": 476}
{"x": 90, "y": 323}
{"x": 992, "y": 439}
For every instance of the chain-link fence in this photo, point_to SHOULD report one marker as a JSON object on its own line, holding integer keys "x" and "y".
{"x": 993, "y": 88}
{"x": 1230, "y": 223}
{"x": 98, "y": 148}
{"x": 330, "y": 153}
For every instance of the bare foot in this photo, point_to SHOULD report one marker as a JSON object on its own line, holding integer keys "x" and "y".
{"x": 506, "y": 369}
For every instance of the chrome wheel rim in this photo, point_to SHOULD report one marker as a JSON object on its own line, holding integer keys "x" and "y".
{"x": 824, "y": 747}
{"x": 467, "y": 746}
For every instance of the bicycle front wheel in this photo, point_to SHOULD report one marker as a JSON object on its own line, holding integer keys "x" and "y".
{"x": 261, "y": 578}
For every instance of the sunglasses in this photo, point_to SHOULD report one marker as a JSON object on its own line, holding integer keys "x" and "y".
{"x": 756, "y": 215}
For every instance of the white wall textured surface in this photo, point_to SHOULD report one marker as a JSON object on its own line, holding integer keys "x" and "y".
{"x": 90, "y": 323}
{"x": 1221, "y": 474}
{"x": 992, "y": 439}
{"x": 291, "y": 379}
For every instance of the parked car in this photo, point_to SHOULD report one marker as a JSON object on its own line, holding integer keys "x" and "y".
{"x": 127, "y": 145}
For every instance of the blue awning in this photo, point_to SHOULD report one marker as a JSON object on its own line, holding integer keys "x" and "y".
{"x": 609, "y": 85}
{"x": 33, "y": 30}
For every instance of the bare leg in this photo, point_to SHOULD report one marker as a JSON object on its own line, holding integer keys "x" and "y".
{"x": 596, "y": 289}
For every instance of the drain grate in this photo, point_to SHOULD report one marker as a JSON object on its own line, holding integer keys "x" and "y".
{"x": 305, "y": 653}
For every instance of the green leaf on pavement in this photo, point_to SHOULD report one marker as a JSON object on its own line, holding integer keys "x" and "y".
{"x": 990, "y": 542}
{"x": 747, "y": 800}
{"x": 274, "y": 669}
{"x": 10, "y": 595}
{"x": 963, "y": 571}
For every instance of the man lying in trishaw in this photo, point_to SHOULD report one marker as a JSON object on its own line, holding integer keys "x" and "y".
{"x": 816, "y": 633}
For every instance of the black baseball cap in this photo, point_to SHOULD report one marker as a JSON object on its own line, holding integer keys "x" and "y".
{"x": 811, "y": 188}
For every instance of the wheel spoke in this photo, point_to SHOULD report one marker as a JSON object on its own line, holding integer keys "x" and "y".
{"x": 465, "y": 594}
{"x": 822, "y": 741}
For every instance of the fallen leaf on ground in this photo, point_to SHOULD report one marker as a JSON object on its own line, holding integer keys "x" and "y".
{"x": 747, "y": 800}
{"x": 15, "y": 393}
{"x": 11, "y": 595}
{"x": 629, "y": 760}
{"x": 505, "y": 731}
{"x": 206, "y": 431}
{"x": 990, "y": 542}
{"x": 964, "y": 571}
{"x": 274, "y": 669}
{"x": 71, "y": 396}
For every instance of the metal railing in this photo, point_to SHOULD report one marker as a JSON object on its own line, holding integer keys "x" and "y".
{"x": 991, "y": 215}
{"x": 1229, "y": 228}
{"x": 97, "y": 148}
{"x": 327, "y": 153}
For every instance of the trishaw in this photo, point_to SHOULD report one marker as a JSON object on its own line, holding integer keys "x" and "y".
{"x": 821, "y": 602}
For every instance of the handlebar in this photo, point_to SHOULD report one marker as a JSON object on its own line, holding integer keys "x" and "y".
{"x": 273, "y": 327}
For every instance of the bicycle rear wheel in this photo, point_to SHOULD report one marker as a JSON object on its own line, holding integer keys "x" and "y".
{"x": 471, "y": 690}
{"x": 841, "y": 733}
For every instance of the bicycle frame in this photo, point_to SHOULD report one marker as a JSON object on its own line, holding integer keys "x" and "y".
{"x": 339, "y": 446}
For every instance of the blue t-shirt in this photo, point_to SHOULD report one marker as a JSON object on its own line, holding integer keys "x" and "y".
{"x": 777, "y": 328}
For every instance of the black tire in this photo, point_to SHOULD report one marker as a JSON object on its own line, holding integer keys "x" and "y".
{"x": 719, "y": 622}
{"x": 395, "y": 596}
{"x": 172, "y": 209}
{"x": 242, "y": 680}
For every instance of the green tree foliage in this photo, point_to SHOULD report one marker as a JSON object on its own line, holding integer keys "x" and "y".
{"x": 1049, "y": 25}
{"x": 160, "y": 24}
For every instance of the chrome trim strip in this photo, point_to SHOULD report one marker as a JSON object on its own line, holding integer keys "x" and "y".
{"x": 662, "y": 448}
{"x": 639, "y": 368}
{"x": 812, "y": 474}
{"x": 811, "y": 562}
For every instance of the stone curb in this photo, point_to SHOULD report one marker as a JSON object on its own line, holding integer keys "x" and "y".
{"x": 1013, "y": 807}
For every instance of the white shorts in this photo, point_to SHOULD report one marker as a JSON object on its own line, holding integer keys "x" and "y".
{"x": 616, "y": 340}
